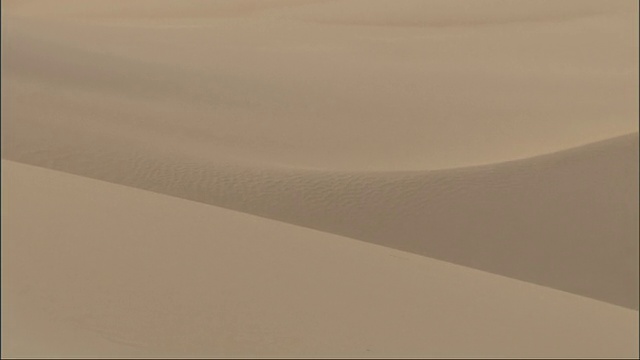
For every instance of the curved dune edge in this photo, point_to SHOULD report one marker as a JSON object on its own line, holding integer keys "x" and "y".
{"x": 95, "y": 269}
{"x": 272, "y": 89}
{"x": 567, "y": 220}
{"x": 231, "y": 114}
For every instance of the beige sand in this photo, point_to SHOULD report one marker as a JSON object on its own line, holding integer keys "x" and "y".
{"x": 137, "y": 273}
{"x": 444, "y": 84}
{"x": 498, "y": 135}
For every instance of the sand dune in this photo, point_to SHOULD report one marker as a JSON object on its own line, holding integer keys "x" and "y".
{"x": 132, "y": 273}
{"x": 273, "y": 88}
{"x": 497, "y": 135}
{"x": 567, "y": 220}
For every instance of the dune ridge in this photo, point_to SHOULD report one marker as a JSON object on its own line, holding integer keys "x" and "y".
{"x": 322, "y": 178}
{"x": 250, "y": 113}
{"x": 136, "y": 273}
{"x": 566, "y": 220}
{"x": 273, "y": 89}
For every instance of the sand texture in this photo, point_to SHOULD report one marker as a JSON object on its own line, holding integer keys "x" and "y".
{"x": 362, "y": 178}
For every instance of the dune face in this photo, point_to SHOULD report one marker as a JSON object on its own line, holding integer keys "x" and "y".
{"x": 326, "y": 84}
{"x": 490, "y": 145}
{"x": 140, "y": 274}
{"x": 568, "y": 220}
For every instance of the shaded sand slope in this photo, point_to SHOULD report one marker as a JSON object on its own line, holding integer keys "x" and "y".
{"x": 232, "y": 103}
{"x": 568, "y": 220}
{"x": 280, "y": 82}
{"x": 92, "y": 268}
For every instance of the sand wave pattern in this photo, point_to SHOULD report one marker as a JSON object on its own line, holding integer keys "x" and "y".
{"x": 497, "y": 135}
{"x": 555, "y": 220}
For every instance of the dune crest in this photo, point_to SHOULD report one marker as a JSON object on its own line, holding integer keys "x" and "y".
{"x": 567, "y": 220}
{"x": 236, "y": 177}
{"x": 242, "y": 111}
{"x": 274, "y": 88}
{"x": 143, "y": 274}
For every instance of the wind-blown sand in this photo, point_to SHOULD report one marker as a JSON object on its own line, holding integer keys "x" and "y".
{"x": 497, "y": 135}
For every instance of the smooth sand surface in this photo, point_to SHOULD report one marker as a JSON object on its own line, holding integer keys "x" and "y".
{"x": 137, "y": 273}
{"x": 498, "y": 135}
{"x": 351, "y": 85}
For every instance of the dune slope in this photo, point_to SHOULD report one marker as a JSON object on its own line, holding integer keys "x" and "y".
{"x": 354, "y": 119}
{"x": 316, "y": 178}
{"x": 96, "y": 269}
{"x": 326, "y": 84}
{"x": 567, "y": 220}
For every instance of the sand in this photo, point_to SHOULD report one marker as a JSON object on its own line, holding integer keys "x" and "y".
{"x": 147, "y": 274}
{"x": 432, "y": 178}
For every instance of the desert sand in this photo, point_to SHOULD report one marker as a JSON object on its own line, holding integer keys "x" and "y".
{"x": 133, "y": 272}
{"x": 308, "y": 178}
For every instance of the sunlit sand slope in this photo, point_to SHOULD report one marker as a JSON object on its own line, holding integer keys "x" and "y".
{"x": 96, "y": 269}
{"x": 350, "y": 85}
{"x": 367, "y": 119}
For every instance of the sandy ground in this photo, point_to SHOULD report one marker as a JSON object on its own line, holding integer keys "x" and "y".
{"x": 380, "y": 141}
{"x": 134, "y": 272}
